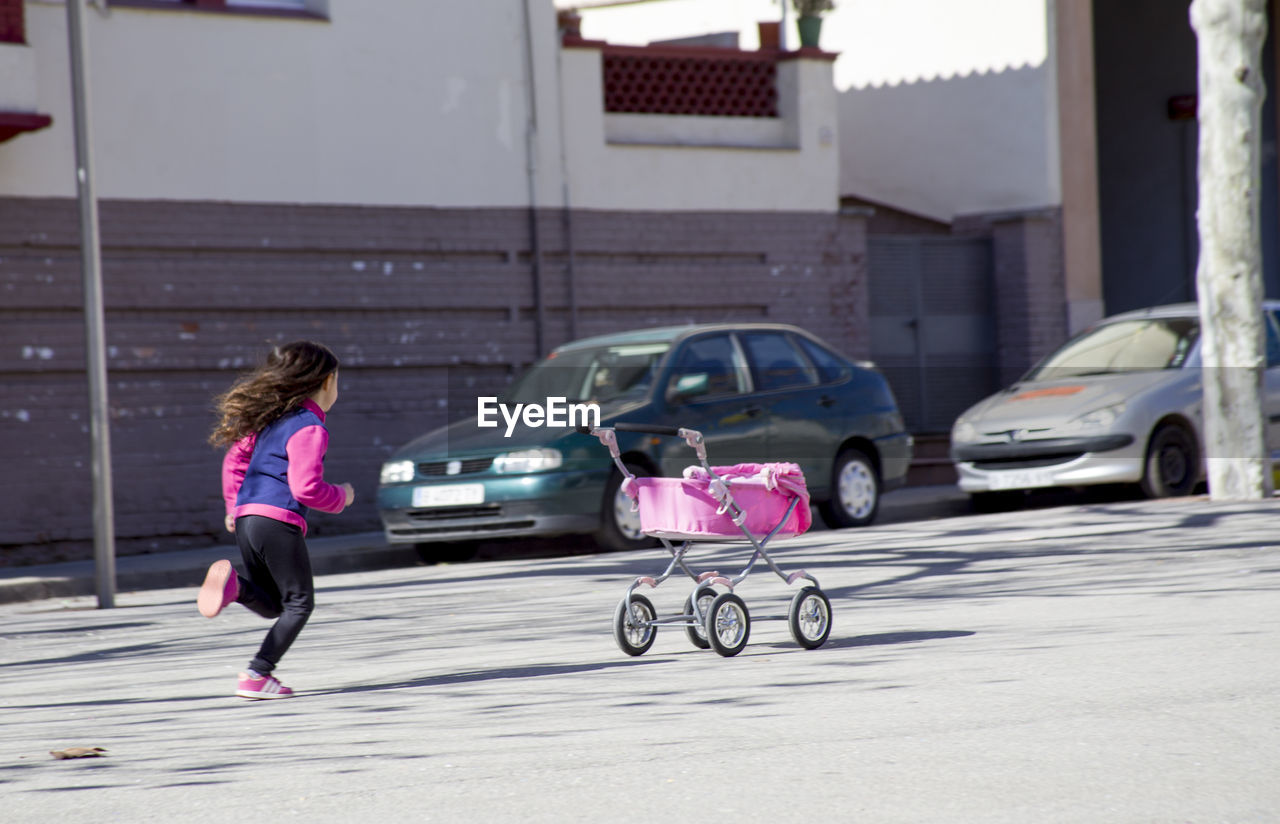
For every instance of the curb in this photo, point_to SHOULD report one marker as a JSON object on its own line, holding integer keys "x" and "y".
{"x": 923, "y": 504}
{"x": 358, "y": 552}
{"x": 186, "y": 568}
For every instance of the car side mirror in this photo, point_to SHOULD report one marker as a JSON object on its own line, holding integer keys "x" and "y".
{"x": 688, "y": 386}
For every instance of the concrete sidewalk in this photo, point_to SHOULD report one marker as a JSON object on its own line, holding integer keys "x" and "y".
{"x": 346, "y": 553}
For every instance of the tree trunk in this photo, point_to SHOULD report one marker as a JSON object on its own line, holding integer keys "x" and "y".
{"x": 1229, "y": 35}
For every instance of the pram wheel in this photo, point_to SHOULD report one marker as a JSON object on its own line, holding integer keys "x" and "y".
{"x": 696, "y": 629}
{"x": 633, "y": 627}
{"x": 810, "y": 618}
{"x": 728, "y": 624}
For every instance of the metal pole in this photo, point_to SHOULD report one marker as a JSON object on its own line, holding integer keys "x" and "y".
{"x": 531, "y": 149}
{"x": 104, "y": 548}
{"x": 566, "y": 208}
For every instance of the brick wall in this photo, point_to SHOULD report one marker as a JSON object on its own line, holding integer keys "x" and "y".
{"x": 414, "y": 302}
{"x": 1030, "y": 287}
{"x": 1030, "y": 294}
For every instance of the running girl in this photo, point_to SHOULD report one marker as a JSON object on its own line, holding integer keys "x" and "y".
{"x": 272, "y": 422}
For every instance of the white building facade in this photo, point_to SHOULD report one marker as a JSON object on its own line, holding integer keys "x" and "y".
{"x": 440, "y": 192}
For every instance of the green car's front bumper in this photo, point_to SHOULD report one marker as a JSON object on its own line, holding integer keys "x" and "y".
{"x": 895, "y": 459}
{"x": 542, "y": 503}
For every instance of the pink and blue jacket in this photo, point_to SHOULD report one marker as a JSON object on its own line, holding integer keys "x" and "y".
{"x": 279, "y": 472}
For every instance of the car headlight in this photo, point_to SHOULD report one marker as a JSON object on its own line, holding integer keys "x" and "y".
{"x": 527, "y": 460}
{"x": 1098, "y": 420}
{"x": 396, "y": 472}
{"x": 964, "y": 431}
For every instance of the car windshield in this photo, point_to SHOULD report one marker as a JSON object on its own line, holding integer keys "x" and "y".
{"x": 1123, "y": 346}
{"x": 594, "y": 375}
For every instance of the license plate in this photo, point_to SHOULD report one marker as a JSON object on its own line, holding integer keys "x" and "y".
{"x": 448, "y": 495}
{"x": 1020, "y": 479}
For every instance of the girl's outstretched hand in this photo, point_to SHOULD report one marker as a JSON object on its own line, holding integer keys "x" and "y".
{"x": 351, "y": 494}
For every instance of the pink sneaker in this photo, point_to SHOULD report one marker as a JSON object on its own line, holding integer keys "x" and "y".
{"x": 262, "y": 686}
{"x": 221, "y": 586}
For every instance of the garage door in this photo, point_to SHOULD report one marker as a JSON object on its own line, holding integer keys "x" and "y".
{"x": 933, "y": 324}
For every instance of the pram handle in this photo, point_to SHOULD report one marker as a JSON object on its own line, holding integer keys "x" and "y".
{"x": 652, "y": 429}
{"x": 606, "y": 435}
{"x": 693, "y": 436}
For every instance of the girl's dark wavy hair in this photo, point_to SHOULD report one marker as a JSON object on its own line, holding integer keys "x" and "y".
{"x": 292, "y": 373}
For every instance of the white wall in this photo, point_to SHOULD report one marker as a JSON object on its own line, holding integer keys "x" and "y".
{"x": 18, "y": 73}
{"x": 794, "y": 167}
{"x": 946, "y": 106}
{"x": 955, "y": 146}
{"x": 394, "y": 102}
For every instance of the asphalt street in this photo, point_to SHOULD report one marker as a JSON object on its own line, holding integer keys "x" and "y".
{"x": 1108, "y": 662}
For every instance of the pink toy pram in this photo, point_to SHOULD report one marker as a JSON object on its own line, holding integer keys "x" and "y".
{"x": 756, "y": 503}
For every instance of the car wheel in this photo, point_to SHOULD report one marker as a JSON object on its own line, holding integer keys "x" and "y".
{"x": 855, "y": 492}
{"x": 1173, "y": 463}
{"x": 619, "y": 525}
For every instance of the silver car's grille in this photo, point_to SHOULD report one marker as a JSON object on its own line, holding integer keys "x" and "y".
{"x": 465, "y": 467}
{"x": 1028, "y": 463}
{"x": 1013, "y": 435}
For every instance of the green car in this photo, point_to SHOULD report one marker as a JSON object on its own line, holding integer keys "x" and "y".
{"x": 761, "y": 392}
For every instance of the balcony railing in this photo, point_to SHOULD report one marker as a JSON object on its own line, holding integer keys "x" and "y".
{"x": 689, "y": 80}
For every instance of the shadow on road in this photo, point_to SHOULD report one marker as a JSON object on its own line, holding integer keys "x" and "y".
{"x": 906, "y": 637}
{"x": 449, "y": 679}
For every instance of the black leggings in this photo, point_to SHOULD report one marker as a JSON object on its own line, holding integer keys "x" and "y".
{"x": 279, "y": 584}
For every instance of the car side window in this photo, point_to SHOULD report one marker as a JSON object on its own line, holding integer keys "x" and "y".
{"x": 831, "y": 367}
{"x": 775, "y": 363}
{"x": 1273, "y": 341}
{"x": 707, "y": 368}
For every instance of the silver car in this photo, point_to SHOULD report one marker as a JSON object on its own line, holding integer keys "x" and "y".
{"x": 1119, "y": 403}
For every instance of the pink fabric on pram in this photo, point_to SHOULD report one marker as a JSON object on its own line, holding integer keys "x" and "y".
{"x": 689, "y": 507}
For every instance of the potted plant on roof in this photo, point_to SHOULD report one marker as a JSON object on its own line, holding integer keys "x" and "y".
{"x": 809, "y": 19}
